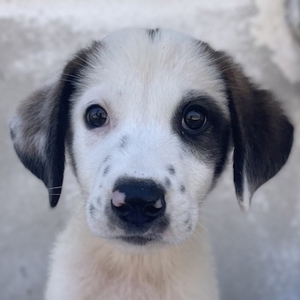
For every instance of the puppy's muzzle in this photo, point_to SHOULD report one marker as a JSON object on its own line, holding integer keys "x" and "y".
{"x": 137, "y": 202}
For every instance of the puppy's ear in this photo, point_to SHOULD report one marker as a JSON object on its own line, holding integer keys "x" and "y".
{"x": 40, "y": 125}
{"x": 262, "y": 134}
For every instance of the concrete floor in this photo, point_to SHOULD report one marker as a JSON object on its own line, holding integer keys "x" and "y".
{"x": 258, "y": 254}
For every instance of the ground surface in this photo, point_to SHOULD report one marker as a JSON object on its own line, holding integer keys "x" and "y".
{"x": 257, "y": 255}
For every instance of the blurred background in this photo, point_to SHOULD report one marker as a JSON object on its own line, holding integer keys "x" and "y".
{"x": 257, "y": 254}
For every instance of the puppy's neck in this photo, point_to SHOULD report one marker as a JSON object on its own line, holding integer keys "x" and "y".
{"x": 169, "y": 272}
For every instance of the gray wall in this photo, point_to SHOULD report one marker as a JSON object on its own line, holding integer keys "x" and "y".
{"x": 258, "y": 254}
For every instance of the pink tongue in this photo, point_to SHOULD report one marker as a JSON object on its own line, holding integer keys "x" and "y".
{"x": 118, "y": 199}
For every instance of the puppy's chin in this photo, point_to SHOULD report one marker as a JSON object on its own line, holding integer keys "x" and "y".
{"x": 137, "y": 244}
{"x": 129, "y": 243}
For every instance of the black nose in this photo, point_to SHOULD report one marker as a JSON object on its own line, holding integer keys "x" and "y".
{"x": 138, "y": 202}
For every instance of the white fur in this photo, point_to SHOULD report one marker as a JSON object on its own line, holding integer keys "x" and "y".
{"x": 156, "y": 87}
{"x": 86, "y": 267}
{"x": 126, "y": 80}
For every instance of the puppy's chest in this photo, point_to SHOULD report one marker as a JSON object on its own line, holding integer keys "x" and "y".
{"x": 135, "y": 291}
{"x": 132, "y": 286}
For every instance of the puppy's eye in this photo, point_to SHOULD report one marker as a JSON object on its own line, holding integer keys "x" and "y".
{"x": 194, "y": 119}
{"x": 96, "y": 116}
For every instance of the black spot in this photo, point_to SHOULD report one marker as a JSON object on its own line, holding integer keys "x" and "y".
{"x": 167, "y": 182}
{"x": 106, "y": 159}
{"x": 106, "y": 170}
{"x": 171, "y": 169}
{"x": 182, "y": 189}
{"x": 92, "y": 209}
{"x": 99, "y": 200}
{"x": 152, "y": 33}
{"x": 124, "y": 141}
{"x": 189, "y": 228}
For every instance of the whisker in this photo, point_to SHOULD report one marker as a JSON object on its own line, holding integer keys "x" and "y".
{"x": 55, "y": 187}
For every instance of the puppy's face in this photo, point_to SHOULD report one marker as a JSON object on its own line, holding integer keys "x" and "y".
{"x": 149, "y": 118}
{"x": 148, "y": 110}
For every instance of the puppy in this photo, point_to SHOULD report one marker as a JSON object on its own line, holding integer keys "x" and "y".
{"x": 148, "y": 119}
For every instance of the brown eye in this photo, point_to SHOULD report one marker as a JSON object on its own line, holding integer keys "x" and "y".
{"x": 96, "y": 116}
{"x": 193, "y": 119}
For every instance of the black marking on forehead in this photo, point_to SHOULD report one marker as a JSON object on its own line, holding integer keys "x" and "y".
{"x": 210, "y": 145}
{"x": 152, "y": 33}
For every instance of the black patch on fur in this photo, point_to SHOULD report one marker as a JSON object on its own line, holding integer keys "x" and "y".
{"x": 171, "y": 170}
{"x": 152, "y": 33}
{"x": 99, "y": 200}
{"x": 69, "y": 143}
{"x": 47, "y": 112}
{"x": 106, "y": 159}
{"x": 167, "y": 182}
{"x": 238, "y": 161}
{"x": 211, "y": 144}
{"x": 124, "y": 141}
{"x": 262, "y": 135}
{"x": 182, "y": 189}
{"x": 60, "y": 116}
{"x": 106, "y": 170}
{"x": 189, "y": 228}
{"x": 92, "y": 209}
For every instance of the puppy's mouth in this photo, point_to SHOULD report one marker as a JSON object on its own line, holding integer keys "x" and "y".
{"x": 138, "y": 240}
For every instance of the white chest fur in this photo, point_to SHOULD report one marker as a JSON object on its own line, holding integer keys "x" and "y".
{"x": 85, "y": 267}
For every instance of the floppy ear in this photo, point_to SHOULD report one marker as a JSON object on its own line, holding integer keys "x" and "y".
{"x": 262, "y": 134}
{"x": 40, "y": 125}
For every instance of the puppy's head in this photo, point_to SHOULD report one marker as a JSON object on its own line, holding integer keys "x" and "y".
{"x": 149, "y": 118}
